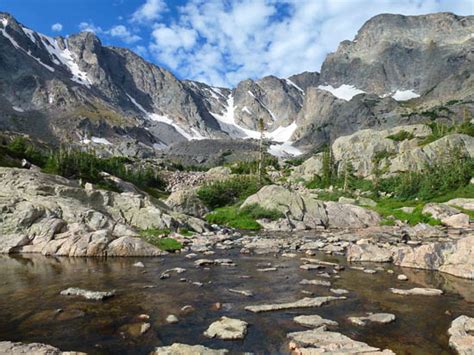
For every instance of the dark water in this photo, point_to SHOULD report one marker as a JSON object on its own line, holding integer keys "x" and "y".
{"x": 30, "y": 286}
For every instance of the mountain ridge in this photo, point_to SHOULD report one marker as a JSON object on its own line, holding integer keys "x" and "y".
{"x": 83, "y": 92}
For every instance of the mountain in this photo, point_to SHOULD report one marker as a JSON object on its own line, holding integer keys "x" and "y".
{"x": 77, "y": 91}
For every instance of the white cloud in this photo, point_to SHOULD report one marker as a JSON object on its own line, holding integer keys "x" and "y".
{"x": 120, "y": 32}
{"x": 90, "y": 27}
{"x": 222, "y": 43}
{"x": 57, "y": 27}
{"x": 151, "y": 10}
{"x": 124, "y": 34}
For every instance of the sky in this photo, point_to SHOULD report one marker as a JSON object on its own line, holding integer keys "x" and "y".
{"x": 221, "y": 42}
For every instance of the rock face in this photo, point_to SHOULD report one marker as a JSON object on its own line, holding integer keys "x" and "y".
{"x": 184, "y": 349}
{"x": 8, "y": 347}
{"x": 461, "y": 335}
{"x": 54, "y": 216}
{"x": 227, "y": 329}
{"x": 304, "y": 212}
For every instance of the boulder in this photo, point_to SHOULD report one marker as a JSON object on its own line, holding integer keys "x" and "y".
{"x": 449, "y": 216}
{"x": 308, "y": 169}
{"x": 187, "y": 201}
{"x": 461, "y": 335}
{"x": 305, "y": 212}
{"x": 454, "y": 257}
{"x": 465, "y": 203}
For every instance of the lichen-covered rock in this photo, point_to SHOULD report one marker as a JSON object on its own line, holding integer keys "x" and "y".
{"x": 450, "y": 216}
{"x": 369, "y": 252}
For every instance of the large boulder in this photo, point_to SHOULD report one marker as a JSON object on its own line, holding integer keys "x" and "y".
{"x": 308, "y": 169}
{"x": 51, "y": 215}
{"x": 454, "y": 257}
{"x": 187, "y": 201}
{"x": 303, "y": 211}
{"x": 450, "y": 216}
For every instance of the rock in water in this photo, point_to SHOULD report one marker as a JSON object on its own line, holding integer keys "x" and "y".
{"x": 90, "y": 295}
{"x": 320, "y": 341}
{"x": 8, "y": 347}
{"x": 373, "y": 317}
{"x": 417, "y": 291}
{"x": 184, "y": 349}
{"x": 227, "y": 329}
{"x": 461, "y": 335}
{"x": 314, "y": 321}
{"x": 303, "y": 303}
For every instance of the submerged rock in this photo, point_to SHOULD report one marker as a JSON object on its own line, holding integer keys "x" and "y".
{"x": 417, "y": 291}
{"x": 90, "y": 295}
{"x": 227, "y": 329}
{"x": 461, "y": 335}
{"x": 303, "y": 303}
{"x": 245, "y": 293}
{"x": 315, "y": 282}
{"x": 373, "y": 317}
{"x": 184, "y": 349}
{"x": 314, "y": 321}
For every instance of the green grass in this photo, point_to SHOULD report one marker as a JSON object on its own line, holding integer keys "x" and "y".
{"x": 391, "y": 207}
{"x": 158, "y": 238}
{"x": 233, "y": 217}
{"x": 401, "y": 136}
{"x": 244, "y": 218}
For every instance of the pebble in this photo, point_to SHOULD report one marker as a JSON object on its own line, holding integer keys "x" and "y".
{"x": 139, "y": 264}
{"x": 402, "y": 277}
{"x": 172, "y": 319}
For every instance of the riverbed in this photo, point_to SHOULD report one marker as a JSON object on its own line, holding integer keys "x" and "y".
{"x": 32, "y": 309}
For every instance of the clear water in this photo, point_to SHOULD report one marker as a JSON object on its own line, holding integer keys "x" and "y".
{"x": 30, "y": 286}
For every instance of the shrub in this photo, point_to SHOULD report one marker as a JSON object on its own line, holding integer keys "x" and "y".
{"x": 388, "y": 207}
{"x": 401, "y": 136}
{"x": 258, "y": 212}
{"x": 242, "y": 218}
{"x": 227, "y": 192}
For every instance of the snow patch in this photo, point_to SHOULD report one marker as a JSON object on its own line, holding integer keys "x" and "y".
{"x": 344, "y": 92}
{"x": 283, "y": 134}
{"x": 404, "y": 95}
{"x": 165, "y": 119}
{"x": 246, "y": 109}
{"x": 30, "y": 34}
{"x": 18, "y": 109}
{"x": 96, "y": 140}
{"x": 65, "y": 57}
{"x": 284, "y": 150}
{"x": 293, "y": 84}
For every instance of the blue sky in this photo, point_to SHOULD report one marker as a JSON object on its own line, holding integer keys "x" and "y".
{"x": 221, "y": 41}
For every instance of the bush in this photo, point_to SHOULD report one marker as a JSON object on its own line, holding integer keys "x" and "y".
{"x": 87, "y": 166}
{"x": 251, "y": 167}
{"x": 258, "y": 212}
{"x": 242, "y": 218}
{"x": 228, "y": 192}
{"x": 435, "y": 180}
{"x": 401, "y": 136}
